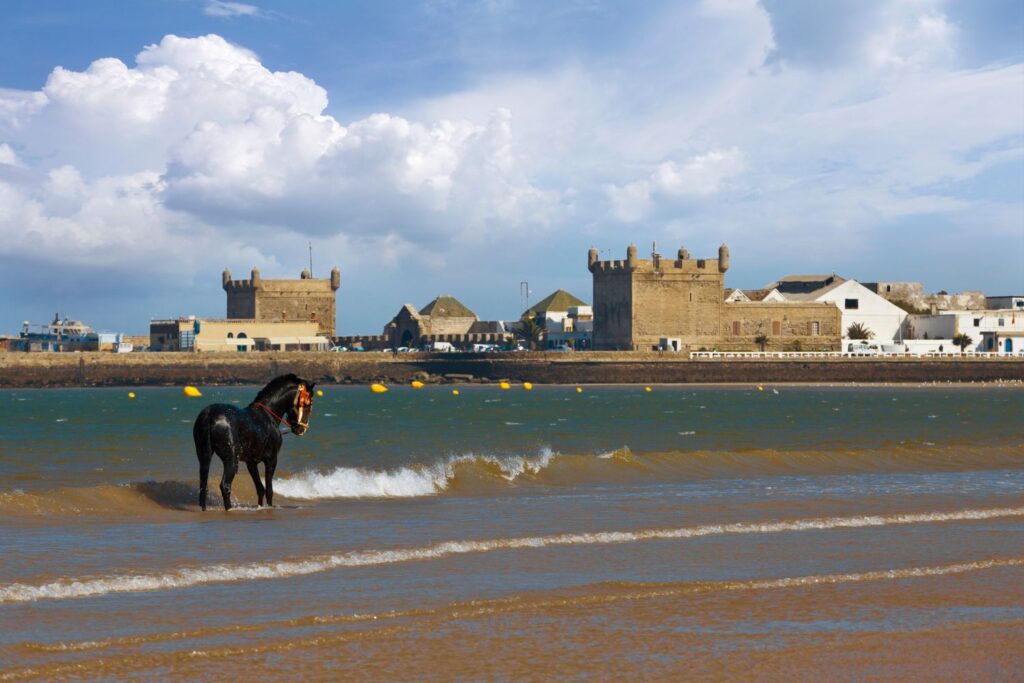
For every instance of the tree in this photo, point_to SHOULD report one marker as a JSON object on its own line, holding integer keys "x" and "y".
{"x": 761, "y": 340}
{"x": 859, "y": 331}
{"x": 530, "y": 332}
{"x": 963, "y": 340}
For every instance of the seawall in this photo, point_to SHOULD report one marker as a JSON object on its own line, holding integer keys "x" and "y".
{"x": 23, "y": 370}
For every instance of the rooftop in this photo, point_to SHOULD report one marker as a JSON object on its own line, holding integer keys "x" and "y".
{"x": 447, "y": 306}
{"x": 558, "y": 301}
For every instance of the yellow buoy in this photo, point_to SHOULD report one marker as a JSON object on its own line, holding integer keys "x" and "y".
{"x": 760, "y": 388}
{"x": 528, "y": 386}
{"x": 191, "y": 392}
{"x": 455, "y": 392}
{"x": 319, "y": 392}
{"x": 131, "y": 394}
{"x": 505, "y": 386}
{"x": 647, "y": 389}
{"x": 416, "y": 384}
{"x": 579, "y": 390}
{"x": 378, "y": 388}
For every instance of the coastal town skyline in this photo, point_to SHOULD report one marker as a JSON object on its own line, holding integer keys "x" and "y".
{"x": 465, "y": 149}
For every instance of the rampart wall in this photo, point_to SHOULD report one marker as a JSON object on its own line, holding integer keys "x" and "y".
{"x": 23, "y": 370}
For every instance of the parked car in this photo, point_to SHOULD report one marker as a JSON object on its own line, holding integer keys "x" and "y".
{"x": 862, "y": 348}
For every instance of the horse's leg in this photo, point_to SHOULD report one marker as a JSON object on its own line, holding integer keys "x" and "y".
{"x": 268, "y": 468}
{"x": 204, "y": 451}
{"x": 254, "y": 472}
{"x": 230, "y": 467}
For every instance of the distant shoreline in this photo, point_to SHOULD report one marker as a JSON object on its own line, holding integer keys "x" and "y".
{"x": 23, "y": 370}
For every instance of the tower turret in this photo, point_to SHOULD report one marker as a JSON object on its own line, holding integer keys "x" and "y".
{"x": 683, "y": 254}
{"x": 225, "y": 278}
{"x": 591, "y": 258}
{"x": 723, "y": 258}
{"x": 255, "y": 277}
{"x": 631, "y": 257}
{"x": 335, "y": 278}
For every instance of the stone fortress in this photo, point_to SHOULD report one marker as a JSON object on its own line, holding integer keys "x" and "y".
{"x": 680, "y": 304}
{"x": 288, "y": 300}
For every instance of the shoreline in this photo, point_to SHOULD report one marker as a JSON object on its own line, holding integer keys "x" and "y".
{"x": 20, "y": 371}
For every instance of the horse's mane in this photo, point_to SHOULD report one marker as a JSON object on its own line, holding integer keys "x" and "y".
{"x": 275, "y": 386}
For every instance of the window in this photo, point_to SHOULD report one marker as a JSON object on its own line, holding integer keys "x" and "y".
{"x": 888, "y": 288}
{"x": 231, "y": 335}
{"x": 776, "y": 328}
{"x": 977, "y": 322}
{"x": 241, "y": 335}
{"x": 736, "y": 328}
{"x": 852, "y": 304}
{"x": 815, "y": 328}
{"x": 1002, "y": 322}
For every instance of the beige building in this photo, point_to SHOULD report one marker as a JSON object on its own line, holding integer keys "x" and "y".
{"x": 213, "y": 334}
{"x": 680, "y": 304}
{"x": 443, "y": 316}
{"x": 305, "y": 299}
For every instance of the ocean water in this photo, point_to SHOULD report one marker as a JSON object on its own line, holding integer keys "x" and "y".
{"x": 808, "y": 532}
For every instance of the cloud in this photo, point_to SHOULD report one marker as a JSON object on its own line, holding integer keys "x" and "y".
{"x": 231, "y": 10}
{"x": 199, "y": 138}
{"x": 700, "y": 176}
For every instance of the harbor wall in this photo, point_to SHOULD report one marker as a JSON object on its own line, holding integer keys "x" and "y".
{"x": 24, "y": 370}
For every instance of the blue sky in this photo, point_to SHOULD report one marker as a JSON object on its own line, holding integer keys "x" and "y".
{"x": 464, "y": 147}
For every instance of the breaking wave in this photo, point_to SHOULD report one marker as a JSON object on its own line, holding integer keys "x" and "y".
{"x": 223, "y": 573}
{"x": 409, "y": 481}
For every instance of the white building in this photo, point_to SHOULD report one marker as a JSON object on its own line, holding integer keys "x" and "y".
{"x": 1000, "y": 331}
{"x": 858, "y": 304}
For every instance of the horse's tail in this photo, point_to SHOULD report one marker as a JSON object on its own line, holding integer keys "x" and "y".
{"x": 204, "y": 451}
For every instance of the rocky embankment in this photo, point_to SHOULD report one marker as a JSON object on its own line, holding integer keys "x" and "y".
{"x": 23, "y": 370}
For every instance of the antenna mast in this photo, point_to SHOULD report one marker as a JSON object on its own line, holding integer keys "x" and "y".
{"x": 311, "y": 259}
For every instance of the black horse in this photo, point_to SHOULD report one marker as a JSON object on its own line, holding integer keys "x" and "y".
{"x": 251, "y": 434}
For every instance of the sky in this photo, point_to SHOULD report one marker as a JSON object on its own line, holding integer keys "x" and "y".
{"x": 464, "y": 148}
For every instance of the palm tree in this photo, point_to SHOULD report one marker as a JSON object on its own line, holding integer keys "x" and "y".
{"x": 963, "y": 340}
{"x": 761, "y": 340}
{"x": 530, "y": 332}
{"x": 859, "y": 331}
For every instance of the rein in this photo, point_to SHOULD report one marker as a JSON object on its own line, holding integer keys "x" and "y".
{"x": 274, "y": 415}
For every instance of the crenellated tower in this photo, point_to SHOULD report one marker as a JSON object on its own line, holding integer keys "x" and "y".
{"x": 307, "y": 298}
{"x": 639, "y": 301}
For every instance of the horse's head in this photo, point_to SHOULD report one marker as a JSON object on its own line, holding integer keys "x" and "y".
{"x": 302, "y": 408}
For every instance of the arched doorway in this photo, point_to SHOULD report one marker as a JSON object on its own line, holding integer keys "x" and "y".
{"x": 406, "y": 339}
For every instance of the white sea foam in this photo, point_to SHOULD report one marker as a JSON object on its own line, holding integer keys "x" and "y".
{"x": 223, "y": 573}
{"x": 402, "y": 482}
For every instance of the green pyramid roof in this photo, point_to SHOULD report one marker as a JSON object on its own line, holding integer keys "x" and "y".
{"x": 446, "y": 306}
{"x": 559, "y": 300}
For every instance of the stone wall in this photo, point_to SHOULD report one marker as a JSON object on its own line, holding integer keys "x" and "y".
{"x": 639, "y": 301}
{"x": 784, "y": 325}
{"x": 302, "y": 299}
{"x": 21, "y": 370}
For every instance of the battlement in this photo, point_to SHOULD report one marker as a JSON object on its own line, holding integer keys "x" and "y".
{"x": 657, "y": 264}
{"x": 304, "y": 283}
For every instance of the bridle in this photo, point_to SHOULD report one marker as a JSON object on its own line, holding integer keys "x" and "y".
{"x": 303, "y": 401}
